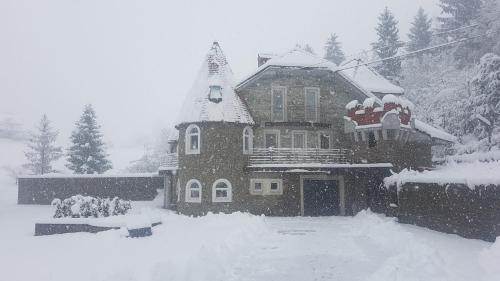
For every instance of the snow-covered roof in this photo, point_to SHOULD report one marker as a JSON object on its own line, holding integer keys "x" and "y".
{"x": 225, "y": 105}
{"x": 368, "y": 78}
{"x": 294, "y": 58}
{"x": 434, "y": 132}
{"x": 470, "y": 174}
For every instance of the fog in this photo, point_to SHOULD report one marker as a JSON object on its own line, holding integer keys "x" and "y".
{"x": 135, "y": 60}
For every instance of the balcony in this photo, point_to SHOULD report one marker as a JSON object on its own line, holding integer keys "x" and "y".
{"x": 280, "y": 156}
{"x": 169, "y": 162}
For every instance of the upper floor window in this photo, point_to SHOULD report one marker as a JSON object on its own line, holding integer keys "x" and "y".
{"x": 193, "y": 139}
{"x": 247, "y": 140}
{"x": 324, "y": 140}
{"x": 193, "y": 191}
{"x": 299, "y": 140}
{"x": 222, "y": 191}
{"x": 272, "y": 138}
{"x": 311, "y": 104}
{"x": 278, "y": 104}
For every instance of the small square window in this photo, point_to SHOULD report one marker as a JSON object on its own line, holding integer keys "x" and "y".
{"x": 274, "y": 186}
{"x": 257, "y": 186}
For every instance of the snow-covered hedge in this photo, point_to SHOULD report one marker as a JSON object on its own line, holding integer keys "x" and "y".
{"x": 80, "y": 206}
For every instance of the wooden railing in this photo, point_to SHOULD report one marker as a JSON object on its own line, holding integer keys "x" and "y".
{"x": 294, "y": 156}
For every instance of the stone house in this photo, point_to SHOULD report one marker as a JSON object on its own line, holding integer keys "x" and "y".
{"x": 299, "y": 136}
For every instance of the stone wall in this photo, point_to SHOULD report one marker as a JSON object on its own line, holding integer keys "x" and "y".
{"x": 452, "y": 208}
{"x": 42, "y": 190}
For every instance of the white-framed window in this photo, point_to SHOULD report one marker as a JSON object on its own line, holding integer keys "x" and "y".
{"x": 266, "y": 186}
{"x": 193, "y": 139}
{"x": 311, "y": 102}
{"x": 324, "y": 140}
{"x": 222, "y": 191}
{"x": 193, "y": 191}
{"x": 278, "y": 104}
{"x": 247, "y": 140}
{"x": 299, "y": 140}
{"x": 272, "y": 138}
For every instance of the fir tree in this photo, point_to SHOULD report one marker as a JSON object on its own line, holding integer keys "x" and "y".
{"x": 87, "y": 155}
{"x": 333, "y": 50}
{"x": 483, "y": 106}
{"x": 388, "y": 45}
{"x": 420, "y": 32}
{"x": 458, "y": 13}
{"x": 41, "y": 148}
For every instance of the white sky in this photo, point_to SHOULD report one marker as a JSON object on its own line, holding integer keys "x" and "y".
{"x": 135, "y": 60}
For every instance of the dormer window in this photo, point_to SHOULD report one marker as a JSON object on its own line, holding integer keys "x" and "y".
{"x": 192, "y": 139}
{"x": 215, "y": 94}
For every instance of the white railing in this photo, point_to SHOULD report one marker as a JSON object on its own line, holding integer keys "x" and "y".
{"x": 293, "y": 156}
{"x": 170, "y": 160}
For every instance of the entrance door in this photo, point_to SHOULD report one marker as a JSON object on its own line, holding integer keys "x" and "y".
{"x": 321, "y": 197}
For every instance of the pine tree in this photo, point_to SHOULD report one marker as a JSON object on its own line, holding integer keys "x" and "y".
{"x": 388, "y": 45}
{"x": 333, "y": 50}
{"x": 420, "y": 32}
{"x": 87, "y": 155}
{"x": 483, "y": 106}
{"x": 41, "y": 148}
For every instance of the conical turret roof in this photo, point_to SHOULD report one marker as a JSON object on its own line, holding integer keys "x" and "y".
{"x": 212, "y": 97}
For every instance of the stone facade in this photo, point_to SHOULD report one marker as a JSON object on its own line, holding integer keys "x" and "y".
{"x": 221, "y": 149}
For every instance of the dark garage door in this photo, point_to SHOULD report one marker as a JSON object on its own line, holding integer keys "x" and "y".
{"x": 321, "y": 197}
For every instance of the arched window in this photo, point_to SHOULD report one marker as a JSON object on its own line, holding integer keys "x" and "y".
{"x": 193, "y": 140}
{"x": 193, "y": 191}
{"x": 222, "y": 191}
{"x": 247, "y": 140}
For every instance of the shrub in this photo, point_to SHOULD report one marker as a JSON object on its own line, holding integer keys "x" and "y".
{"x": 79, "y": 206}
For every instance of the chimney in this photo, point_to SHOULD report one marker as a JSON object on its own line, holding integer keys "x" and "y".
{"x": 263, "y": 58}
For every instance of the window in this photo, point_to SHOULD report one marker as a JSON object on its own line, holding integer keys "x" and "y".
{"x": 178, "y": 190}
{"x": 298, "y": 140}
{"x": 272, "y": 139}
{"x": 193, "y": 139}
{"x": 247, "y": 140}
{"x": 193, "y": 191}
{"x": 222, "y": 191}
{"x": 266, "y": 186}
{"x": 278, "y": 104}
{"x": 311, "y": 104}
{"x": 215, "y": 94}
{"x": 324, "y": 141}
{"x": 372, "y": 142}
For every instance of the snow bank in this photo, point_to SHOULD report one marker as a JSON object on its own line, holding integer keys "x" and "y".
{"x": 470, "y": 174}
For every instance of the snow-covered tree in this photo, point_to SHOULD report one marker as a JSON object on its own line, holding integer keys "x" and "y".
{"x": 42, "y": 150}
{"x": 333, "y": 50}
{"x": 306, "y": 48}
{"x": 155, "y": 154}
{"x": 458, "y": 13}
{"x": 387, "y": 45}
{"x": 420, "y": 32}
{"x": 87, "y": 153}
{"x": 483, "y": 107}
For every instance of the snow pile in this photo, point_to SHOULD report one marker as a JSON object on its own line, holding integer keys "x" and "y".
{"x": 470, "y": 174}
{"x": 212, "y": 96}
{"x": 368, "y": 79}
{"x": 352, "y": 105}
{"x": 488, "y": 260}
{"x": 368, "y": 102}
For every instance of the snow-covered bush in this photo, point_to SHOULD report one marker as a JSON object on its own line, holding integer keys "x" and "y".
{"x": 88, "y": 206}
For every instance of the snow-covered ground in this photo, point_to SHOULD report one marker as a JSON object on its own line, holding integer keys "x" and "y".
{"x": 233, "y": 247}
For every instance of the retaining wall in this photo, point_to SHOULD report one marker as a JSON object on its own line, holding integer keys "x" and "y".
{"x": 451, "y": 208}
{"x": 42, "y": 190}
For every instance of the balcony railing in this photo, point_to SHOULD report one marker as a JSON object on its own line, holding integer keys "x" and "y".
{"x": 170, "y": 161}
{"x": 300, "y": 156}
